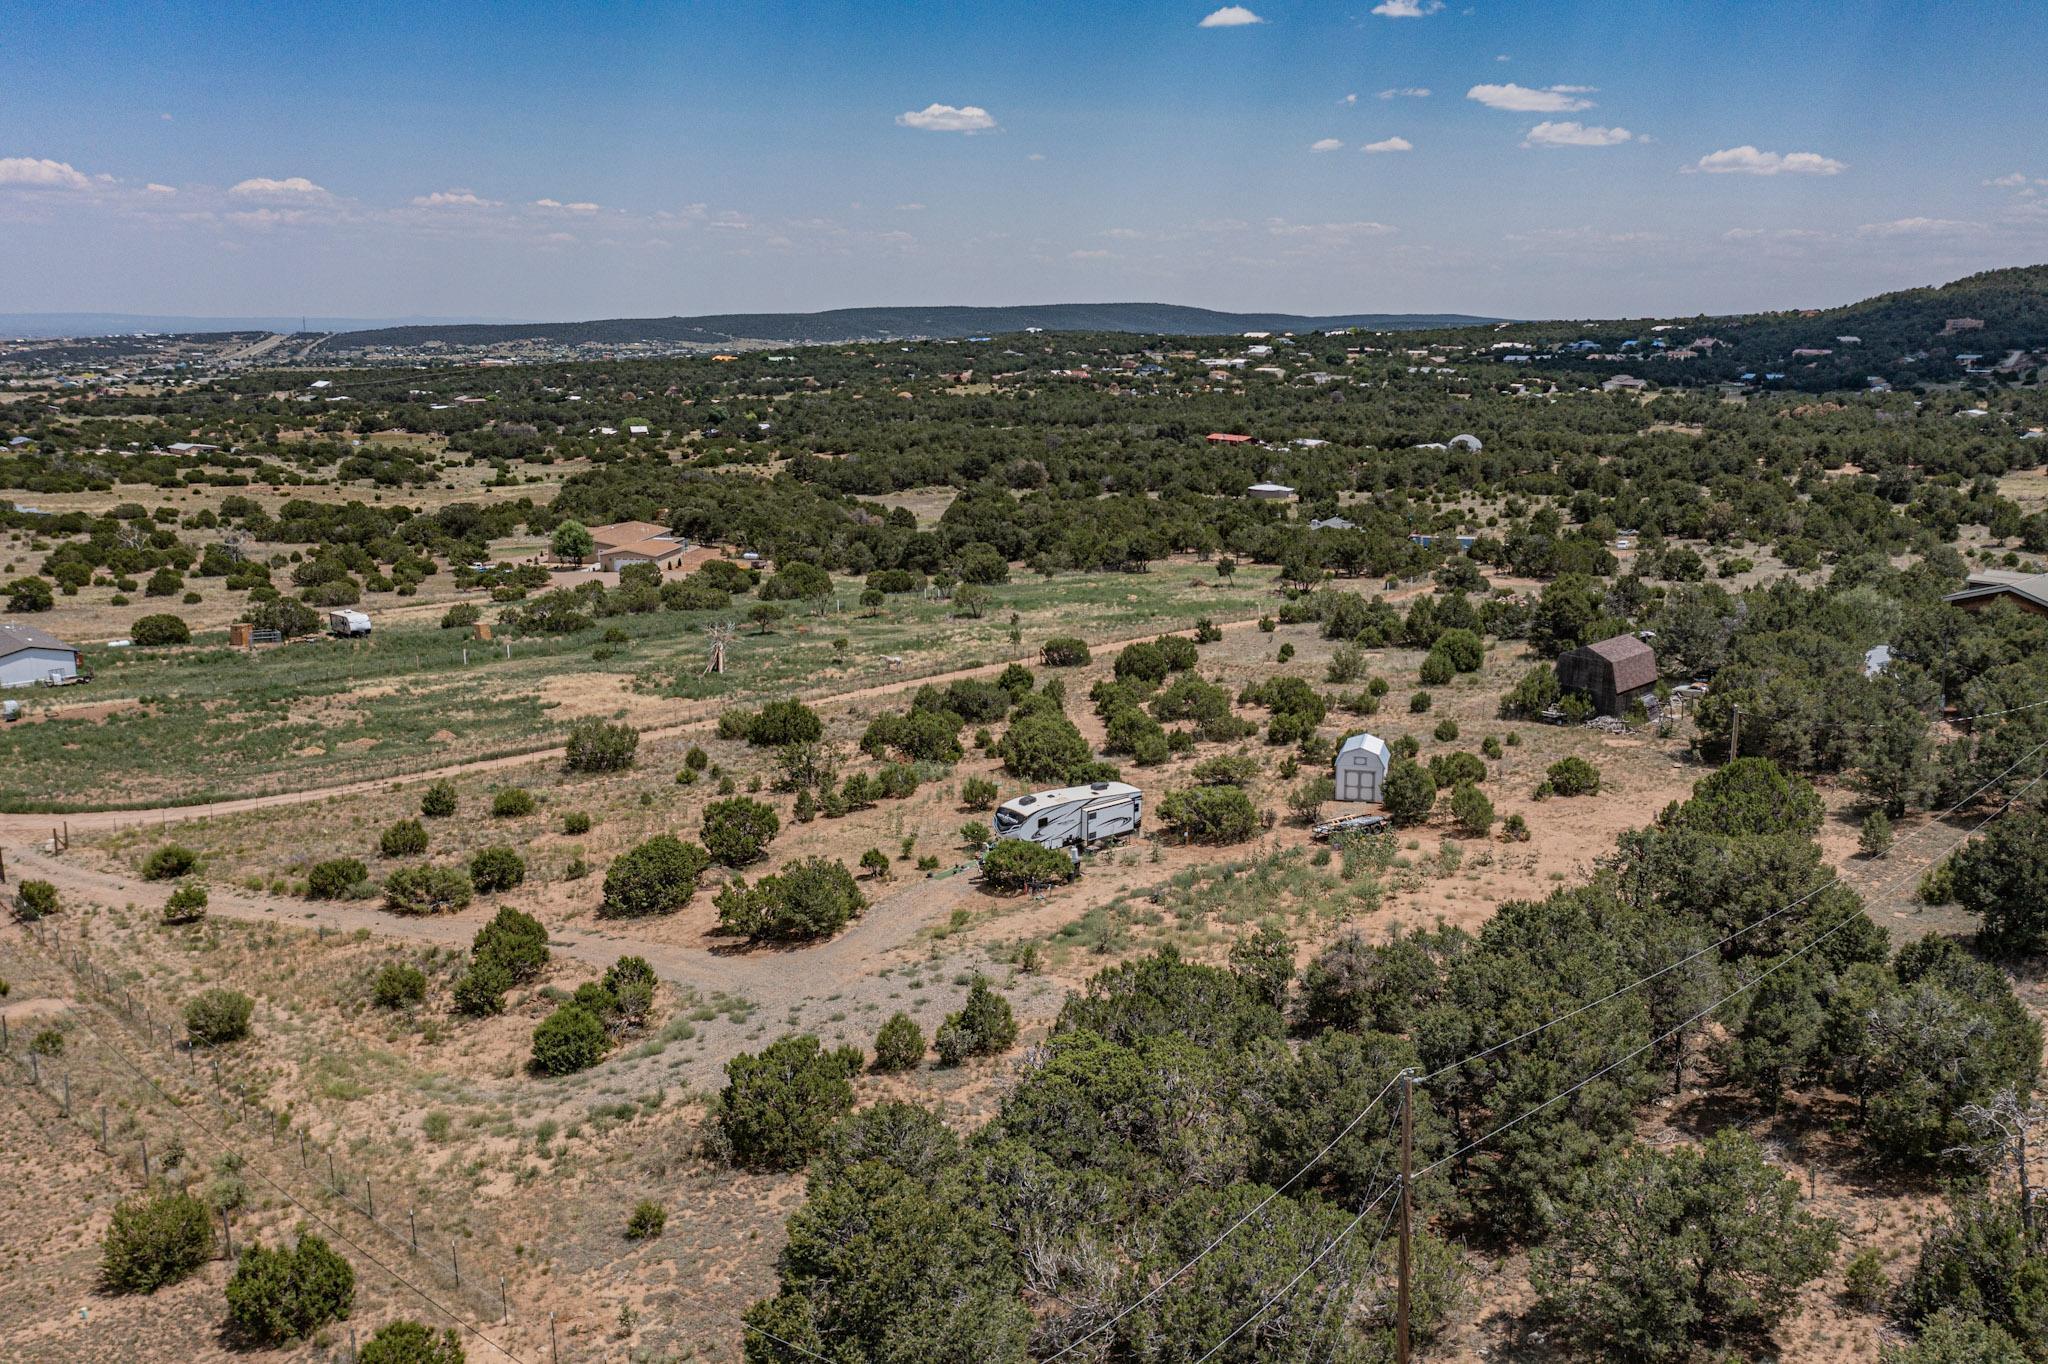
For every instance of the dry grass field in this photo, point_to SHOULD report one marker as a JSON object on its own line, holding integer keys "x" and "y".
{"x": 531, "y": 1178}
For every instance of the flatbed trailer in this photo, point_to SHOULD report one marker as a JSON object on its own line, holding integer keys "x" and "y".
{"x": 1352, "y": 824}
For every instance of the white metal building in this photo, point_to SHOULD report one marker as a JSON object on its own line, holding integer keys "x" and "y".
{"x": 1361, "y": 771}
{"x": 30, "y": 657}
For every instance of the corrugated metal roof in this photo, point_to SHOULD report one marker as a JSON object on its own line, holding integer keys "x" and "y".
{"x": 14, "y": 638}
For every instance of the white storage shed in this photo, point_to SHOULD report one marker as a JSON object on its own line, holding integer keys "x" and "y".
{"x": 1362, "y": 763}
{"x": 30, "y": 657}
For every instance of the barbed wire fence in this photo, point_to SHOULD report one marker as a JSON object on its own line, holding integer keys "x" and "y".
{"x": 164, "y": 1072}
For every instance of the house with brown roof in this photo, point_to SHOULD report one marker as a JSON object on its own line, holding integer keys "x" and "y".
{"x": 2027, "y": 591}
{"x": 637, "y": 542}
{"x": 1611, "y": 673}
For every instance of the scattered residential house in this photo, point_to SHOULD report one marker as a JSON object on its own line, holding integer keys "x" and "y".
{"x": 1805, "y": 352}
{"x": 1610, "y": 673}
{"x": 30, "y": 657}
{"x": 1466, "y": 442}
{"x": 1361, "y": 768}
{"x": 1623, "y": 381}
{"x": 1876, "y": 659}
{"x": 1228, "y": 438}
{"x": 636, "y": 430}
{"x": 188, "y": 447}
{"x": 1332, "y": 523}
{"x": 2027, "y": 591}
{"x": 1269, "y": 492}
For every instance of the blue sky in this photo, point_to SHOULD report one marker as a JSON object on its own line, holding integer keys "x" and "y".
{"x": 1570, "y": 157}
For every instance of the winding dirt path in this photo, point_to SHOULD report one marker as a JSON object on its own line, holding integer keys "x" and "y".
{"x": 763, "y": 975}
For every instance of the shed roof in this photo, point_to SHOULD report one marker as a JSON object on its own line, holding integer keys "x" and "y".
{"x": 15, "y": 637}
{"x": 1634, "y": 662}
{"x": 1368, "y": 743}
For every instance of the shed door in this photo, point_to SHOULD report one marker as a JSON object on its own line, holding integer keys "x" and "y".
{"x": 1356, "y": 781}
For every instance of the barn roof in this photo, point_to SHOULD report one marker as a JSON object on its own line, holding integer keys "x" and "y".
{"x": 14, "y": 638}
{"x": 1633, "y": 662}
{"x": 1370, "y": 743}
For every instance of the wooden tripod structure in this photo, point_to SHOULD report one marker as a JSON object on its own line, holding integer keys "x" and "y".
{"x": 720, "y": 636}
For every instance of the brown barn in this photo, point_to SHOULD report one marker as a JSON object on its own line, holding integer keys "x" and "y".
{"x": 1612, "y": 673}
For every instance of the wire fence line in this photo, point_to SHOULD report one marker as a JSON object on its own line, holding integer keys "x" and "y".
{"x": 188, "y": 1079}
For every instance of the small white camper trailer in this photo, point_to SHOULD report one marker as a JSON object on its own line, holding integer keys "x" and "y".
{"x": 348, "y": 624}
{"x": 1073, "y": 816}
{"x": 1362, "y": 767}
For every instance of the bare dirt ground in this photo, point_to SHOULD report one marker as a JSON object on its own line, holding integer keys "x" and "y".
{"x": 532, "y": 1178}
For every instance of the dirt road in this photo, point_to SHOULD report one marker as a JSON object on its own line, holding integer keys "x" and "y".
{"x": 761, "y": 974}
{"x": 17, "y": 831}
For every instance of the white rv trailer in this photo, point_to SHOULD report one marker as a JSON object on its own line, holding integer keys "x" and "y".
{"x": 347, "y": 624}
{"x": 1073, "y": 816}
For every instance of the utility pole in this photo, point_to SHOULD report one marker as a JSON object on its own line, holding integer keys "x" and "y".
{"x": 1734, "y": 732}
{"x": 1407, "y": 1211}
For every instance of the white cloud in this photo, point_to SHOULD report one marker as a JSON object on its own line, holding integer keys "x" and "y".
{"x": 566, "y": 208}
{"x": 1917, "y": 227}
{"x": 1407, "y": 9}
{"x": 1568, "y": 133}
{"x": 452, "y": 198}
{"x": 265, "y": 218}
{"x": 1279, "y": 227}
{"x": 1389, "y": 144}
{"x": 1348, "y": 99}
{"x": 1327, "y": 144}
{"x": 910, "y": 208}
{"x": 1230, "y": 16}
{"x": 154, "y": 188}
{"x": 1520, "y": 99}
{"x": 1747, "y": 160}
{"x": 2013, "y": 181}
{"x": 1035, "y": 156}
{"x": 947, "y": 118}
{"x": 1406, "y": 92}
{"x": 295, "y": 186}
{"x": 1087, "y": 255}
{"x": 40, "y": 173}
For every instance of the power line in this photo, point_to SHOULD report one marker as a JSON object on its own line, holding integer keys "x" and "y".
{"x": 1562, "y": 1018}
{"x": 2009, "y": 710}
{"x": 1611, "y": 1066}
{"x": 785, "y": 1344}
{"x": 1303, "y": 1272}
{"x": 338, "y": 1234}
{"x": 1779, "y": 964}
{"x": 1775, "y": 966}
{"x": 1746, "y": 929}
{"x": 1221, "y": 1236}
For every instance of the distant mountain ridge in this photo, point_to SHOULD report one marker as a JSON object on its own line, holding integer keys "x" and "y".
{"x": 881, "y": 324}
{"x": 39, "y": 326}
